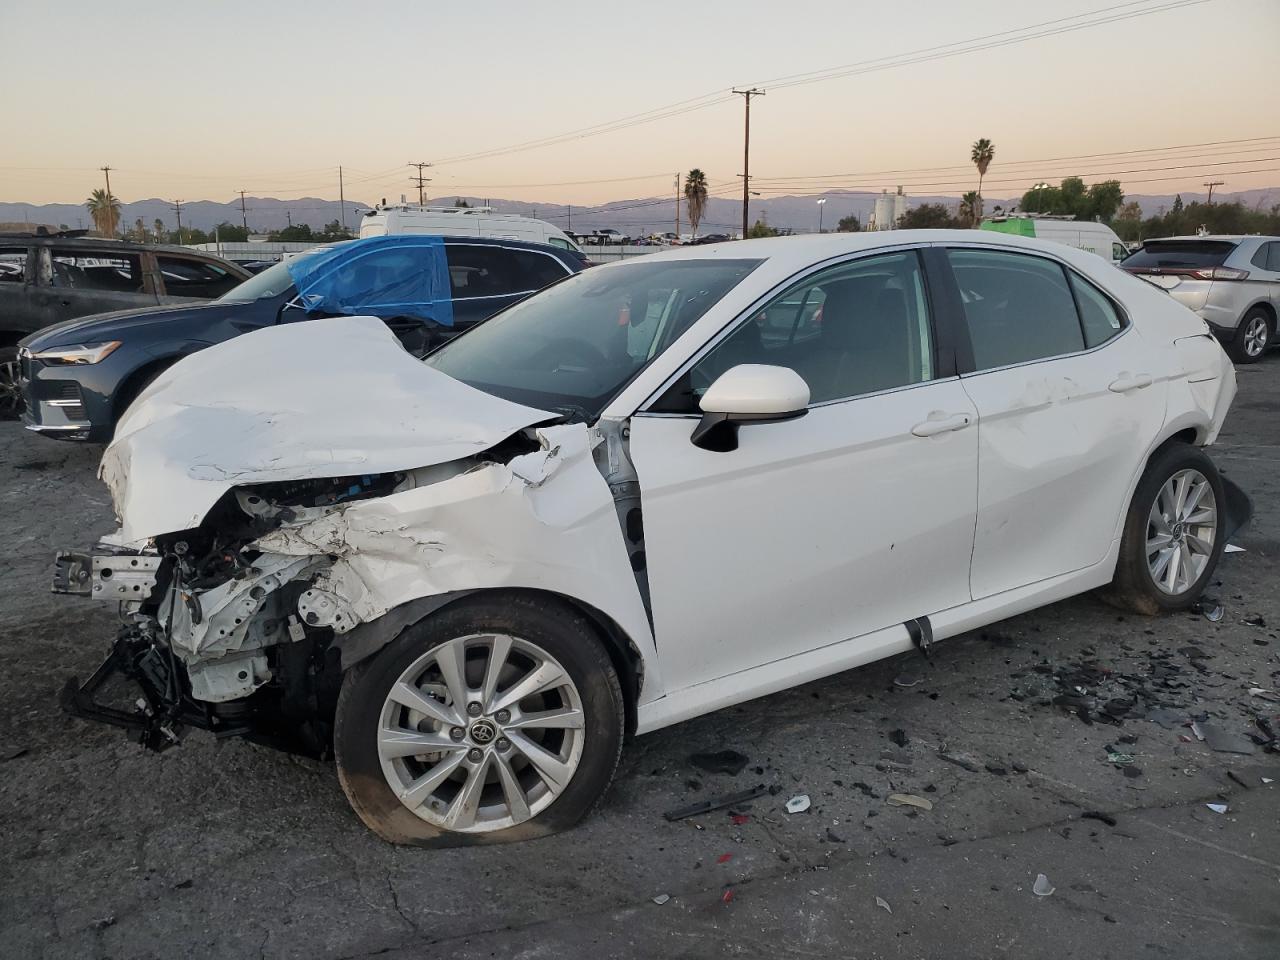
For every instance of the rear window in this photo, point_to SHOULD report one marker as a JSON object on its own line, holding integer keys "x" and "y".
{"x": 1180, "y": 254}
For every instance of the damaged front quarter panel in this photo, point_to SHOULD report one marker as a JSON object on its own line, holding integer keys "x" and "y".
{"x": 543, "y": 520}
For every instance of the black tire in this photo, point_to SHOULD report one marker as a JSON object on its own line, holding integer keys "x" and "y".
{"x": 554, "y": 627}
{"x": 1134, "y": 588}
{"x": 1240, "y": 346}
{"x": 10, "y": 397}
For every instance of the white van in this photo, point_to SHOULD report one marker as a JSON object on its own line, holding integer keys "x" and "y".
{"x": 461, "y": 222}
{"x": 1083, "y": 234}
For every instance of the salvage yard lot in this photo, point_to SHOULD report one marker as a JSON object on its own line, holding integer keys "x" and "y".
{"x": 228, "y": 849}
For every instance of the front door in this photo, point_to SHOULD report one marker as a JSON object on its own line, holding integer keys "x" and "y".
{"x": 854, "y": 517}
{"x": 1067, "y": 405}
{"x": 77, "y": 283}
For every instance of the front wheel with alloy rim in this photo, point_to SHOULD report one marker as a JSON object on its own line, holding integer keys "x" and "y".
{"x": 10, "y": 394}
{"x": 495, "y": 719}
{"x": 1253, "y": 337}
{"x": 1173, "y": 535}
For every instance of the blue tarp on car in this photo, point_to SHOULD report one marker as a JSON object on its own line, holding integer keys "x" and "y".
{"x": 396, "y": 276}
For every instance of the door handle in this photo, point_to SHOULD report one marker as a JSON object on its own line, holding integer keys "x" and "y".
{"x": 944, "y": 423}
{"x": 1126, "y": 383}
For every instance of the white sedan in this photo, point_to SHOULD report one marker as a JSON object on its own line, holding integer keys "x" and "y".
{"x": 655, "y": 489}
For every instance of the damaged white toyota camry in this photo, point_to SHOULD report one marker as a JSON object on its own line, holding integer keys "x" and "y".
{"x": 655, "y": 489}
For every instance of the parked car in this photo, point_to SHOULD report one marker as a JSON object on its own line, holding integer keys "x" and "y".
{"x": 1082, "y": 234}
{"x": 1232, "y": 282}
{"x": 618, "y": 505}
{"x": 49, "y": 278}
{"x": 387, "y": 220}
{"x": 79, "y": 376}
{"x": 607, "y": 237}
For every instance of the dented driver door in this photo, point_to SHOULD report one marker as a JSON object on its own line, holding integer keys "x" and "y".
{"x": 854, "y": 517}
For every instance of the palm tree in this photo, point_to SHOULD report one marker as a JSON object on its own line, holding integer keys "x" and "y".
{"x": 695, "y": 195}
{"x": 968, "y": 204}
{"x": 140, "y": 229}
{"x": 105, "y": 210}
{"x": 982, "y": 154}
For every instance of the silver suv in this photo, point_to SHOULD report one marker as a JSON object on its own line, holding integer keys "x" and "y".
{"x": 1233, "y": 283}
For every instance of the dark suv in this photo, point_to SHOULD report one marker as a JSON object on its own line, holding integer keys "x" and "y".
{"x": 48, "y": 278}
{"x": 78, "y": 377}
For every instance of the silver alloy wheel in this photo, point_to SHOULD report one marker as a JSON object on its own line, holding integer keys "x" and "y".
{"x": 481, "y": 733}
{"x": 1181, "y": 530}
{"x": 1255, "y": 336}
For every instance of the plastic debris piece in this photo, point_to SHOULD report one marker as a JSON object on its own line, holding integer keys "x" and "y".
{"x": 964, "y": 760}
{"x": 1217, "y": 807}
{"x": 738, "y": 819}
{"x": 909, "y": 800}
{"x": 1106, "y": 818}
{"x": 1197, "y": 731}
{"x": 728, "y": 895}
{"x": 907, "y": 679}
{"x": 1232, "y": 548}
{"x": 1267, "y": 780}
{"x": 899, "y": 737}
{"x": 1042, "y": 887}
{"x": 798, "y": 804}
{"x": 1224, "y": 741}
{"x": 883, "y": 904}
{"x": 1169, "y": 719}
{"x": 724, "y": 858}
{"x": 1254, "y": 621}
{"x": 716, "y": 803}
{"x": 1264, "y": 694}
{"x": 1119, "y": 758}
{"x": 661, "y": 898}
{"x": 721, "y": 761}
{"x": 1210, "y": 608}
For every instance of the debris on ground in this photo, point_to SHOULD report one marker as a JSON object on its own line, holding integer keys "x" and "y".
{"x": 899, "y": 737}
{"x": 716, "y": 803}
{"x": 720, "y": 761}
{"x": 728, "y": 895}
{"x": 965, "y": 760}
{"x": 908, "y": 678}
{"x": 1232, "y": 548}
{"x": 1217, "y": 807}
{"x": 1106, "y": 818}
{"x": 661, "y": 898}
{"x": 1042, "y": 887}
{"x": 1210, "y": 608}
{"x": 103, "y": 923}
{"x": 1224, "y": 741}
{"x": 883, "y": 904}
{"x": 724, "y": 858}
{"x": 834, "y": 837}
{"x": 738, "y": 819}
{"x": 798, "y": 804}
{"x": 908, "y": 800}
{"x": 1254, "y": 620}
{"x": 1119, "y": 758}
{"x": 996, "y": 770}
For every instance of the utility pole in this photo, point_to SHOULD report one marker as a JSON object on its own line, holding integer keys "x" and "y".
{"x": 177, "y": 212}
{"x": 746, "y": 152}
{"x": 288, "y": 216}
{"x": 106, "y": 171}
{"x": 677, "y": 206}
{"x": 244, "y": 217}
{"x": 570, "y": 230}
{"x": 342, "y": 201}
{"x": 1211, "y": 184}
{"x": 420, "y": 179}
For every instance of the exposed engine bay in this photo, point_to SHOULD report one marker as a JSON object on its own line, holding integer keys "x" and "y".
{"x": 238, "y": 625}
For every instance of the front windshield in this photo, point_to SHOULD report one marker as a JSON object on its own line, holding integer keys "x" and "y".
{"x": 573, "y": 346}
{"x": 271, "y": 282}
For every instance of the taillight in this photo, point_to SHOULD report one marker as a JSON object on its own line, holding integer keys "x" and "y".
{"x": 1221, "y": 273}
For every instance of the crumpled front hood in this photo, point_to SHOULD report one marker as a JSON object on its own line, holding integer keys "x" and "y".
{"x": 319, "y": 398}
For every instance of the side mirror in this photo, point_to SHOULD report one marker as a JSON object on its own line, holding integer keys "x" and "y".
{"x": 748, "y": 393}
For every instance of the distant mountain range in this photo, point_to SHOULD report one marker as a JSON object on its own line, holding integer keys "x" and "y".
{"x": 637, "y": 216}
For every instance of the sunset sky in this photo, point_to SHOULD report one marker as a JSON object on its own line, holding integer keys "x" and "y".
{"x": 197, "y": 100}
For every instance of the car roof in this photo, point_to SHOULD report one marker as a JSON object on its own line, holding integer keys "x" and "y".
{"x": 1220, "y": 237}
{"x": 105, "y": 244}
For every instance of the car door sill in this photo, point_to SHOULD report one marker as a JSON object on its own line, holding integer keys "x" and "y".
{"x": 768, "y": 678}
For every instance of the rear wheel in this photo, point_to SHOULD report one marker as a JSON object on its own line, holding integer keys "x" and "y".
{"x": 491, "y": 721}
{"x": 10, "y": 394}
{"x": 1173, "y": 536}
{"x": 1253, "y": 338}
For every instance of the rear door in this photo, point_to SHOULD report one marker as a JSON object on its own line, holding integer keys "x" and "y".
{"x": 18, "y": 311}
{"x": 76, "y": 282}
{"x": 189, "y": 278}
{"x": 1067, "y": 405}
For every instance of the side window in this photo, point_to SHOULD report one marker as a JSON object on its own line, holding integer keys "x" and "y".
{"x": 1098, "y": 315}
{"x": 848, "y": 330}
{"x": 90, "y": 270}
{"x": 1260, "y": 256}
{"x": 194, "y": 278}
{"x": 13, "y": 264}
{"x": 480, "y": 271}
{"x": 1017, "y": 307}
{"x": 1118, "y": 251}
{"x": 1273, "y": 257}
{"x": 539, "y": 269}
{"x": 559, "y": 242}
